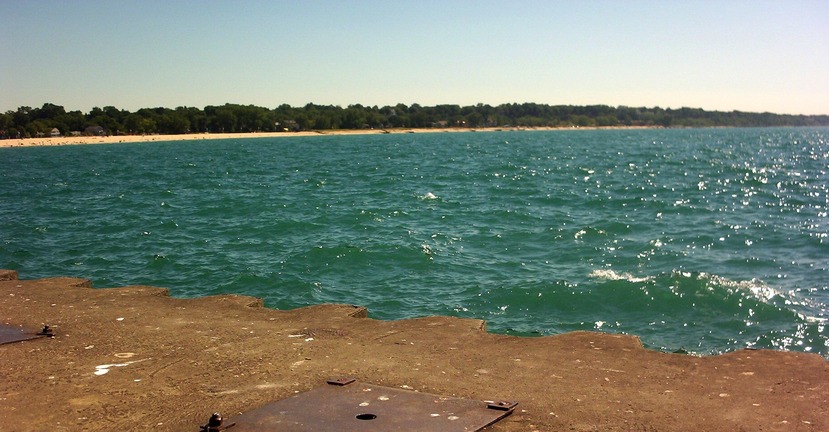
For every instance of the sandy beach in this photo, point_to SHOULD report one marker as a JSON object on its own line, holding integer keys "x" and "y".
{"x": 114, "y": 139}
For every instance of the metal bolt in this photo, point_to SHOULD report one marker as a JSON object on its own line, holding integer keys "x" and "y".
{"x": 214, "y": 424}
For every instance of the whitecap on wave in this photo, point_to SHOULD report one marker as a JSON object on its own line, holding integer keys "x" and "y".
{"x": 608, "y": 274}
{"x": 757, "y": 287}
{"x": 429, "y": 196}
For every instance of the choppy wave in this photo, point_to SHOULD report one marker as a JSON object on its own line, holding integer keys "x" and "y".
{"x": 699, "y": 241}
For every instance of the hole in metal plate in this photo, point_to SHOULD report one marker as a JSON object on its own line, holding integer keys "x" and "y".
{"x": 357, "y": 406}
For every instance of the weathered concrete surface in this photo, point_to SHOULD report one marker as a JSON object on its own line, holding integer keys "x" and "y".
{"x": 173, "y": 362}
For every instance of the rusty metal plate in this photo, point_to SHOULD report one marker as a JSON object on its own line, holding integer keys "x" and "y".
{"x": 9, "y": 334}
{"x": 355, "y": 406}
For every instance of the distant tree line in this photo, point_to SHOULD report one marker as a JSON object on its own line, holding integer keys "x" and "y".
{"x": 51, "y": 119}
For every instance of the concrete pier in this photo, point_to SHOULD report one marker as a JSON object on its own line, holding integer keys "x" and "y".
{"x": 133, "y": 358}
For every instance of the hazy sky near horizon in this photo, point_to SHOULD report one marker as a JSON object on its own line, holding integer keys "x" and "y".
{"x": 724, "y": 55}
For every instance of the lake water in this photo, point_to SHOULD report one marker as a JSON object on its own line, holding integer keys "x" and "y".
{"x": 698, "y": 240}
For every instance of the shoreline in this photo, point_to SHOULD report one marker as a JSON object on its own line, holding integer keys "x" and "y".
{"x": 117, "y": 139}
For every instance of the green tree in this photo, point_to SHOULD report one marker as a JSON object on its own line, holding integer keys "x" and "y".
{"x": 225, "y": 120}
{"x": 6, "y": 123}
{"x": 173, "y": 122}
{"x": 48, "y": 112}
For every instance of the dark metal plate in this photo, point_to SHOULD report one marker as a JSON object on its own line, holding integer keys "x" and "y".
{"x": 9, "y": 334}
{"x": 366, "y": 408}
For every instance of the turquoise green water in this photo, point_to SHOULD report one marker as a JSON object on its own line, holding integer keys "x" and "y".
{"x": 703, "y": 240}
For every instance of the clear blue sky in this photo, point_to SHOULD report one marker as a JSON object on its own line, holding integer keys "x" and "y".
{"x": 717, "y": 55}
